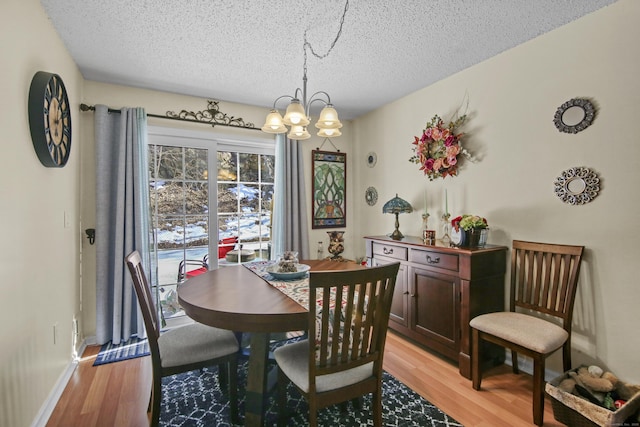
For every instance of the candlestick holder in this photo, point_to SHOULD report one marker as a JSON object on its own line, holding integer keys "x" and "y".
{"x": 425, "y": 221}
{"x": 446, "y": 227}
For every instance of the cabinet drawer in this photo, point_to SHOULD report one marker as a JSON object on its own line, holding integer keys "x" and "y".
{"x": 390, "y": 251}
{"x": 434, "y": 259}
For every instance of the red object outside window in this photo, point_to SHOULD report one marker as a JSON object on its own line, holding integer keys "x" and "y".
{"x": 225, "y": 245}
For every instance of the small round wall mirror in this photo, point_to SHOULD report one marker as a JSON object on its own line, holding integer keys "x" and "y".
{"x": 577, "y": 186}
{"x": 574, "y": 116}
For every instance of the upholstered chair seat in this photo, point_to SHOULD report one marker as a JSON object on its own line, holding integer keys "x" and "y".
{"x": 294, "y": 361}
{"x": 203, "y": 342}
{"x": 527, "y": 331}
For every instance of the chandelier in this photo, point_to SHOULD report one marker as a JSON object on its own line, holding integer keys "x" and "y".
{"x": 297, "y": 114}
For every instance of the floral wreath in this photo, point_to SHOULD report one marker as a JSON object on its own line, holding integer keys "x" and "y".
{"x": 437, "y": 150}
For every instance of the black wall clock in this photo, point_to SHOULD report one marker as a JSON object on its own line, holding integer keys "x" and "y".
{"x": 50, "y": 119}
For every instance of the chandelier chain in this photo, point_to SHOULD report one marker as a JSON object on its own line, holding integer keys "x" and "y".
{"x": 322, "y": 56}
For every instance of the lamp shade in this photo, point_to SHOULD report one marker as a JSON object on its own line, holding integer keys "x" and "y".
{"x": 328, "y": 118}
{"x": 397, "y": 205}
{"x": 329, "y": 133}
{"x": 273, "y": 123}
{"x": 298, "y": 133}
{"x": 295, "y": 115}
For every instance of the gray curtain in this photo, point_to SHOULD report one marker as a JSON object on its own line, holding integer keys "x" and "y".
{"x": 289, "y": 223}
{"x": 122, "y": 219}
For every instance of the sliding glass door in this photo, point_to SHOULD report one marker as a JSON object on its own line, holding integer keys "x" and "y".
{"x": 210, "y": 203}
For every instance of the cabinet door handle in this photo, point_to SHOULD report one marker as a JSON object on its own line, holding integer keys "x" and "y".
{"x": 406, "y": 293}
{"x": 435, "y": 260}
{"x": 387, "y": 251}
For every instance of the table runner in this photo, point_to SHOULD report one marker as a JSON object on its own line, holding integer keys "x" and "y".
{"x": 296, "y": 289}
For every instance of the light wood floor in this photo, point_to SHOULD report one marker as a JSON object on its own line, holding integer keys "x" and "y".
{"x": 117, "y": 394}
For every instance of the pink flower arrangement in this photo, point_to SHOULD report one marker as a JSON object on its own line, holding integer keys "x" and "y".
{"x": 437, "y": 150}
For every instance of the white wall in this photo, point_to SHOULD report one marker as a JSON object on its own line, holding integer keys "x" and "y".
{"x": 512, "y": 101}
{"x": 39, "y": 256}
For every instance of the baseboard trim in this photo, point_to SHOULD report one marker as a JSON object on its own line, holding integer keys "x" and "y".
{"x": 525, "y": 364}
{"x": 50, "y": 403}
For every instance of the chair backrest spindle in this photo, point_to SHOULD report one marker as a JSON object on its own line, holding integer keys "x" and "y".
{"x": 544, "y": 278}
{"x": 349, "y": 315}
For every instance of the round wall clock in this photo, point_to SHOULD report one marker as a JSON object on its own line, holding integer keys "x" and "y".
{"x": 50, "y": 119}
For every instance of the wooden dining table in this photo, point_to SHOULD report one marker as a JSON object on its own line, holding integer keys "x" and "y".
{"x": 237, "y": 299}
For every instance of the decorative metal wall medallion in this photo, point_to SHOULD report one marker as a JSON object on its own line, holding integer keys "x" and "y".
{"x": 574, "y": 115}
{"x": 372, "y": 158}
{"x": 577, "y": 186}
{"x": 371, "y": 196}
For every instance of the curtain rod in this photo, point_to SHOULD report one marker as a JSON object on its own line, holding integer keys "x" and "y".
{"x": 211, "y": 116}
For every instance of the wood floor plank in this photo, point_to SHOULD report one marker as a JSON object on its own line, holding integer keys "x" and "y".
{"x": 117, "y": 394}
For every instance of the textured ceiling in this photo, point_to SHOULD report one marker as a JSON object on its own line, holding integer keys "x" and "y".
{"x": 251, "y": 51}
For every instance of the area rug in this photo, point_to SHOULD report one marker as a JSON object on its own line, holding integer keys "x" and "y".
{"x": 132, "y": 348}
{"x": 195, "y": 399}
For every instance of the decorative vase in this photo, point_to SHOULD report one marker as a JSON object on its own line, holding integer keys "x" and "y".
{"x": 474, "y": 238}
{"x": 336, "y": 244}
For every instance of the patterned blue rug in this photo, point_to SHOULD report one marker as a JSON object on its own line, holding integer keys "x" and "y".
{"x": 134, "y": 347}
{"x": 195, "y": 399}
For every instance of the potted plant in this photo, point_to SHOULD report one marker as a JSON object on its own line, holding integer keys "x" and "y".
{"x": 472, "y": 230}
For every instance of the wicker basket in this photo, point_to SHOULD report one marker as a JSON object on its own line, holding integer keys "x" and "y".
{"x": 575, "y": 411}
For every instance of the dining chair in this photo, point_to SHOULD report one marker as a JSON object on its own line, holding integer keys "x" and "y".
{"x": 184, "y": 348}
{"x": 348, "y": 317}
{"x": 544, "y": 280}
{"x": 201, "y": 266}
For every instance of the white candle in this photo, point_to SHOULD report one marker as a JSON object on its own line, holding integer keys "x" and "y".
{"x": 446, "y": 202}
{"x": 425, "y": 201}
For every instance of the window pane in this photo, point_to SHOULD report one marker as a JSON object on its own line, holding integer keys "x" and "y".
{"x": 196, "y": 198}
{"x": 267, "y": 197}
{"x": 227, "y": 198}
{"x": 196, "y": 235}
{"x": 169, "y": 164}
{"x": 249, "y": 167}
{"x": 249, "y": 196}
{"x": 267, "y": 168}
{"x": 227, "y": 166}
{"x": 195, "y": 161}
{"x": 170, "y": 231}
{"x": 227, "y": 226}
{"x": 167, "y": 197}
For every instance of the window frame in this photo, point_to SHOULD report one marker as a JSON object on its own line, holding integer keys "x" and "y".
{"x": 213, "y": 142}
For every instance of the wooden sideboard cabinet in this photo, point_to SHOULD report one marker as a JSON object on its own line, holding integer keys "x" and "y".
{"x": 439, "y": 290}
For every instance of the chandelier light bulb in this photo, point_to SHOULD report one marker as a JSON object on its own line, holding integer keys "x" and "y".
{"x": 273, "y": 123}
{"x": 298, "y": 133}
{"x": 295, "y": 114}
{"x": 329, "y": 133}
{"x": 328, "y": 118}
